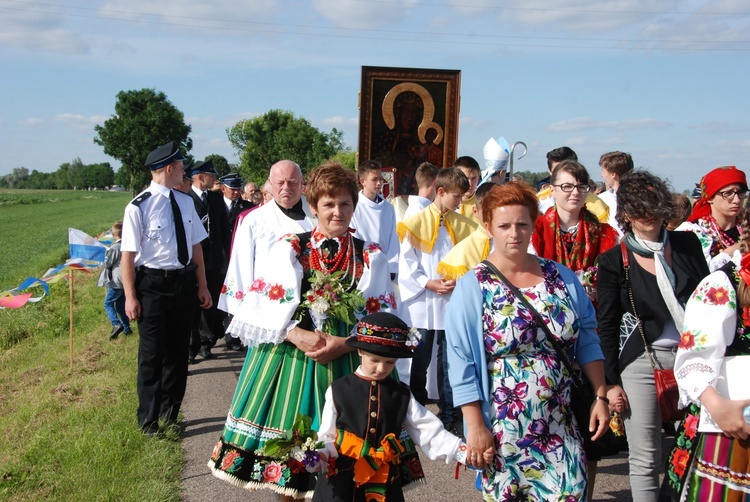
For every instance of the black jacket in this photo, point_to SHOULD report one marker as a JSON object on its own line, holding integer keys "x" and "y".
{"x": 215, "y": 220}
{"x": 689, "y": 266}
{"x": 240, "y": 206}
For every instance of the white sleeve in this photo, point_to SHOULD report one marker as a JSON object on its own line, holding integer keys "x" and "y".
{"x": 428, "y": 433}
{"x": 241, "y": 268}
{"x": 327, "y": 431}
{"x": 412, "y": 279}
{"x": 710, "y": 324}
{"x": 132, "y": 229}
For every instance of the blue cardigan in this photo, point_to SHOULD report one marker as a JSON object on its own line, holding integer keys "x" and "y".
{"x": 464, "y": 332}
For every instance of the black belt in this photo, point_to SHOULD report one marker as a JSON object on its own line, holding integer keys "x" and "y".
{"x": 168, "y": 273}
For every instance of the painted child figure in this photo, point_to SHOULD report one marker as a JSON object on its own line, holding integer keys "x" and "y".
{"x": 365, "y": 411}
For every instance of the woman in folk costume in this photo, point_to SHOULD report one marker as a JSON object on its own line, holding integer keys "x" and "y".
{"x": 713, "y": 466}
{"x": 714, "y": 216}
{"x": 570, "y": 234}
{"x": 293, "y": 361}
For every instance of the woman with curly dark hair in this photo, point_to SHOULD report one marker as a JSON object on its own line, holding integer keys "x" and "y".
{"x": 665, "y": 268}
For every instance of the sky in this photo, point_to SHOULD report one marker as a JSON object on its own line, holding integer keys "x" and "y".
{"x": 665, "y": 80}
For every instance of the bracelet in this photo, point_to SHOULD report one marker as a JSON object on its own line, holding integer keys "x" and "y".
{"x": 602, "y": 398}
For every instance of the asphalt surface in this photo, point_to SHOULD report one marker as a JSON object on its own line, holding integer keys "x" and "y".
{"x": 210, "y": 388}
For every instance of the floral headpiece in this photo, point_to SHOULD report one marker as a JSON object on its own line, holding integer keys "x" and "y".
{"x": 386, "y": 335}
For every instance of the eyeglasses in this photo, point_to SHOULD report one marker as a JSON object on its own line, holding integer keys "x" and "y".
{"x": 568, "y": 187}
{"x": 729, "y": 194}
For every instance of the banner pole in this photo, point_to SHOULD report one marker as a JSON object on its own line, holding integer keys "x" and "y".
{"x": 70, "y": 282}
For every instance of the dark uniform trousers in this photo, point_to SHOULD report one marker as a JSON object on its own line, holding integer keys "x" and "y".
{"x": 167, "y": 305}
{"x": 208, "y": 324}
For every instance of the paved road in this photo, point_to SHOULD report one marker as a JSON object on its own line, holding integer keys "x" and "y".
{"x": 210, "y": 388}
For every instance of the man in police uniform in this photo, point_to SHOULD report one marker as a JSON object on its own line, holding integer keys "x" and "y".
{"x": 231, "y": 187}
{"x": 208, "y": 324}
{"x": 162, "y": 272}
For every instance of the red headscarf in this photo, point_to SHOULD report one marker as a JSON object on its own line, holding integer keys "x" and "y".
{"x": 712, "y": 183}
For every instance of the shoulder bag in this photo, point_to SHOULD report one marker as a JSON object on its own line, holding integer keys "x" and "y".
{"x": 582, "y": 395}
{"x": 667, "y": 393}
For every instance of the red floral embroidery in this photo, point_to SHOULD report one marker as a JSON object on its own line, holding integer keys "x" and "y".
{"x": 223, "y": 289}
{"x": 229, "y": 459}
{"x": 239, "y": 295}
{"x": 217, "y": 451}
{"x": 258, "y": 285}
{"x": 718, "y": 296}
{"x": 746, "y": 316}
{"x": 680, "y": 460}
{"x": 276, "y": 292}
{"x": 687, "y": 340}
{"x": 272, "y": 473}
{"x": 691, "y": 425}
{"x": 373, "y": 305}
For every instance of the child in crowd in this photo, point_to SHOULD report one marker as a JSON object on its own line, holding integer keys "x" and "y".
{"x": 426, "y": 238}
{"x": 470, "y": 167}
{"x": 110, "y": 277}
{"x": 364, "y": 414}
{"x": 374, "y": 218}
{"x": 683, "y": 206}
{"x": 614, "y": 165}
{"x": 425, "y": 176}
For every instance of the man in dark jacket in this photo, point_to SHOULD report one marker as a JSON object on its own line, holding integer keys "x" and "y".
{"x": 208, "y": 325}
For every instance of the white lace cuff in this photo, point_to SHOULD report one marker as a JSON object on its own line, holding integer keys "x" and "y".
{"x": 252, "y": 336}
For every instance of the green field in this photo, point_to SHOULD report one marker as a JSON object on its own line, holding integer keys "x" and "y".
{"x": 34, "y": 227}
{"x": 70, "y": 434}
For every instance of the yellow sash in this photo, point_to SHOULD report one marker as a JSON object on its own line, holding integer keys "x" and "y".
{"x": 465, "y": 255}
{"x": 422, "y": 229}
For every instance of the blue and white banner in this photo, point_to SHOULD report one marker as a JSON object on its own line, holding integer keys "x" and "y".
{"x": 85, "y": 247}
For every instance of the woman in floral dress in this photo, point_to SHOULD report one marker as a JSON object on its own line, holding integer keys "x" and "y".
{"x": 292, "y": 363}
{"x": 507, "y": 377}
{"x": 708, "y": 466}
{"x": 714, "y": 216}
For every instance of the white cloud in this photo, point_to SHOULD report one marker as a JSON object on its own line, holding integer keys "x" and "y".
{"x": 363, "y": 14}
{"x": 80, "y": 121}
{"x": 189, "y": 12}
{"x": 36, "y": 28}
{"x": 586, "y": 124}
{"x": 722, "y": 127}
{"x": 339, "y": 121}
{"x": 32, "y": 122}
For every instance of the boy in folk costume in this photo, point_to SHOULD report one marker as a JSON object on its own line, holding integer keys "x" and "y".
{"x": 426, "y": 239}
{"x": 374, "y": 218}
{"x": 365, "y": 412}
{"x": 470, "y": 167}
{"x": 472, "y": 250}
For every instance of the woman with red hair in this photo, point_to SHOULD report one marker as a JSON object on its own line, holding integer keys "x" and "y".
{"x": 714, "y": 216}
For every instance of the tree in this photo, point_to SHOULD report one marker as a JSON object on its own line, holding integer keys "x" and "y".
{"x": 17, "y": 178}
{"x": 262, "y": 141}
{"x": 220, "y": 163}
{"x": 347, "y": 158}
{"x": 533, "y": 178}
{"x": 143, "y": 120}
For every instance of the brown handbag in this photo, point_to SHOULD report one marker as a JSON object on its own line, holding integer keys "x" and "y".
{"x": 667, "y": 392}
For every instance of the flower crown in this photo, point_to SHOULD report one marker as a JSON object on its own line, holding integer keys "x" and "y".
{"x": 392, "y": 336}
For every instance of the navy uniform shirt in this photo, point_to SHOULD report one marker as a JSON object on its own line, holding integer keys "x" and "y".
{"x": 148, "y": 228}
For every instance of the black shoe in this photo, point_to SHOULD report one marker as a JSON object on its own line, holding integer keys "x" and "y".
{"x": 151, "y": 429}
{"x": 116, "y": 330}
{"x": 205, "y": 353}
{"x": 191, "y": 360}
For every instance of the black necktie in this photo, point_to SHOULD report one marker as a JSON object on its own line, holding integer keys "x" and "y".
{"x": 204, "y": 197}
{"x": 182, "y": 250}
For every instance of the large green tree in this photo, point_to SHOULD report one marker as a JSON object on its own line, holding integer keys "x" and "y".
{"x": 143, "y": 120}
{"x": 278, "y": 135}
{"x": 220, "y": 163}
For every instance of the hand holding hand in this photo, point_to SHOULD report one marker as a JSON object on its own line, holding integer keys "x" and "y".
{"x": 333, "y": 348}
{"x": 305, "y": 340}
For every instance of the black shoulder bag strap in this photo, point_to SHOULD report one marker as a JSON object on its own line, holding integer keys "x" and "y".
{"x": 537, "y": 316}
